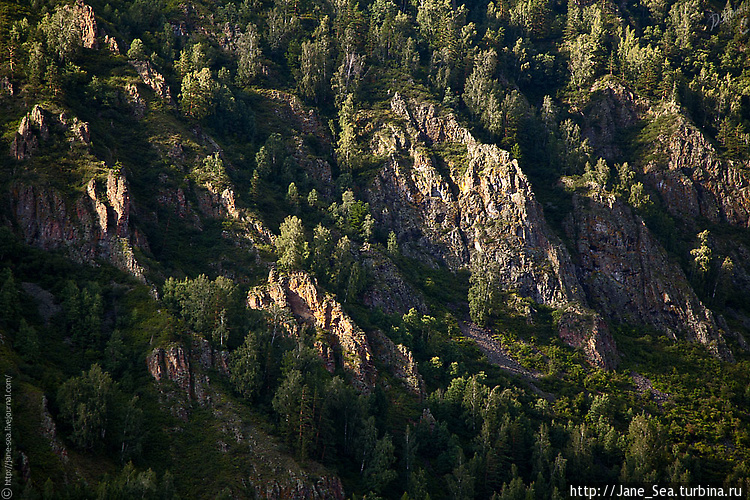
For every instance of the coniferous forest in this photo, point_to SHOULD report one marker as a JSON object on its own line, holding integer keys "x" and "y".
{"x": 329, "y": 249}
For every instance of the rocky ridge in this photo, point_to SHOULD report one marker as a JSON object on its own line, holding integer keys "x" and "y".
{"x": 94, "y": 226}
{"x": 480, "y": 206}
{"x": 348, "y": 346}
{"x": 299, "y": 294}
{"x": 628, "y": 276}
{"x": 681, "y": 164}
{"x": 692, "y": 179}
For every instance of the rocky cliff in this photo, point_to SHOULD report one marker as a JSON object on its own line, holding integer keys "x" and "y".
{"x": 452, "y": 199}
{"x": 299, "y": 294}
{"x": 628, "y": 277}
{"x": 93, "y": 226}
{"x": 611, "y": 108}
{"x": 677, "y": 160}
{"x": 691, "y": 177}
{"x": 387, "y": 290}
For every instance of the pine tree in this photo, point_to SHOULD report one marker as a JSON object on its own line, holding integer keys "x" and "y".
{"x": 244, "y": 367}
{"x": 250, "y": 55}
{"x": 27, "y": 341}
{"x": 198, "y": 96}
{"x": 291, "y": 247}
{"x": 392, "y": 245}
{"x": 84, "y": 403}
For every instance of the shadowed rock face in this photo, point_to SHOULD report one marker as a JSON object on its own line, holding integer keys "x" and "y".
{"x": 482, "y": 206}
{"x": 298, "y": 293}
{"x": 611, "y": 109}
{"x": 628, "y": 277}
{"x": 693, "y": 180}
{"x": 686, "y": 170}
{"x": 477, "y": 206}
{"x": 95, "y": 226}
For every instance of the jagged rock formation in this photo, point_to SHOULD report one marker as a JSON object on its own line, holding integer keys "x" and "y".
{"x": 298, "y": 293}
{"x": 628, "y": 276}
{"x": 217, "y": 203}
{"x": 49, "y": 431}
{"x": 35, "y": 126}
{"x": 692, "y": 179}
{"x": 84, "y": 16}
{"x": 153, "y": 79}
{"x": 111, "y": 44}
{"x": 400, "y": 361}
{"x": 95, "y": 226}
{"x": 483, "y": 205}
{"x": 302, "y": 488}
{"x": 388, "y": 291}
{"x": 681, "y": 164}
{"x": 611, "y": 108}
{"x": 173, "y": 363}
{"x": 479, "y": 205}
{"x": 135, "y": 100}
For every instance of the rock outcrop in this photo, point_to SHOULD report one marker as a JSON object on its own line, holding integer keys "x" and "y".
{"x": 387, "y": 290}
{"x": 35, "y": 128}
{"x": 299, "y": 294}
{"x": 682, "y": 165}
{"x": 479, "y": 205}
{"x": 475, "y": 204}
{"x": 628, "y": 276}
{"x": 153, "y": 79}
{"x": 95, "y": 226}
{"x": 49, "y": 431}
{"x": 611, "y": 108}
{"x": 691, "y": 177}
{"x": 400, "y": 361}
{"x": 302, "y": 488}
{"x": 171, "y": 363}
{"x": 86, "y": 23}
{"x": 187, "y": 369}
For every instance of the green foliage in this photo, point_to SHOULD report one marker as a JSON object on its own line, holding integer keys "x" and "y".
{"x": 392, "y": 245}
{"x": 245, "y": 366}
{"x": 198, "y": 95}
{"x": 250, "y": 55}
{"x": 137, "y": 51}
{"x": 63, "y": 33}
{"x": 291, "y": 246}
{"x": 85, "y": 403}
{"x": 477, "y": 434}
{"x": 482, "y": 292}
{"x": 212, "y": 171}
{"x": 27, "y": 342}
{"x": 211, "y": 308}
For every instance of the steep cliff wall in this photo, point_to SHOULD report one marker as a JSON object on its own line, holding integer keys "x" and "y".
{"x": 299, "y": 294}
{"x": 94, "y": 226}
{"x": 628, "y": 276}
{"x": 456, "y": 208}
{"x": 691, "y": 177}
{"x": 677, "y": 160}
